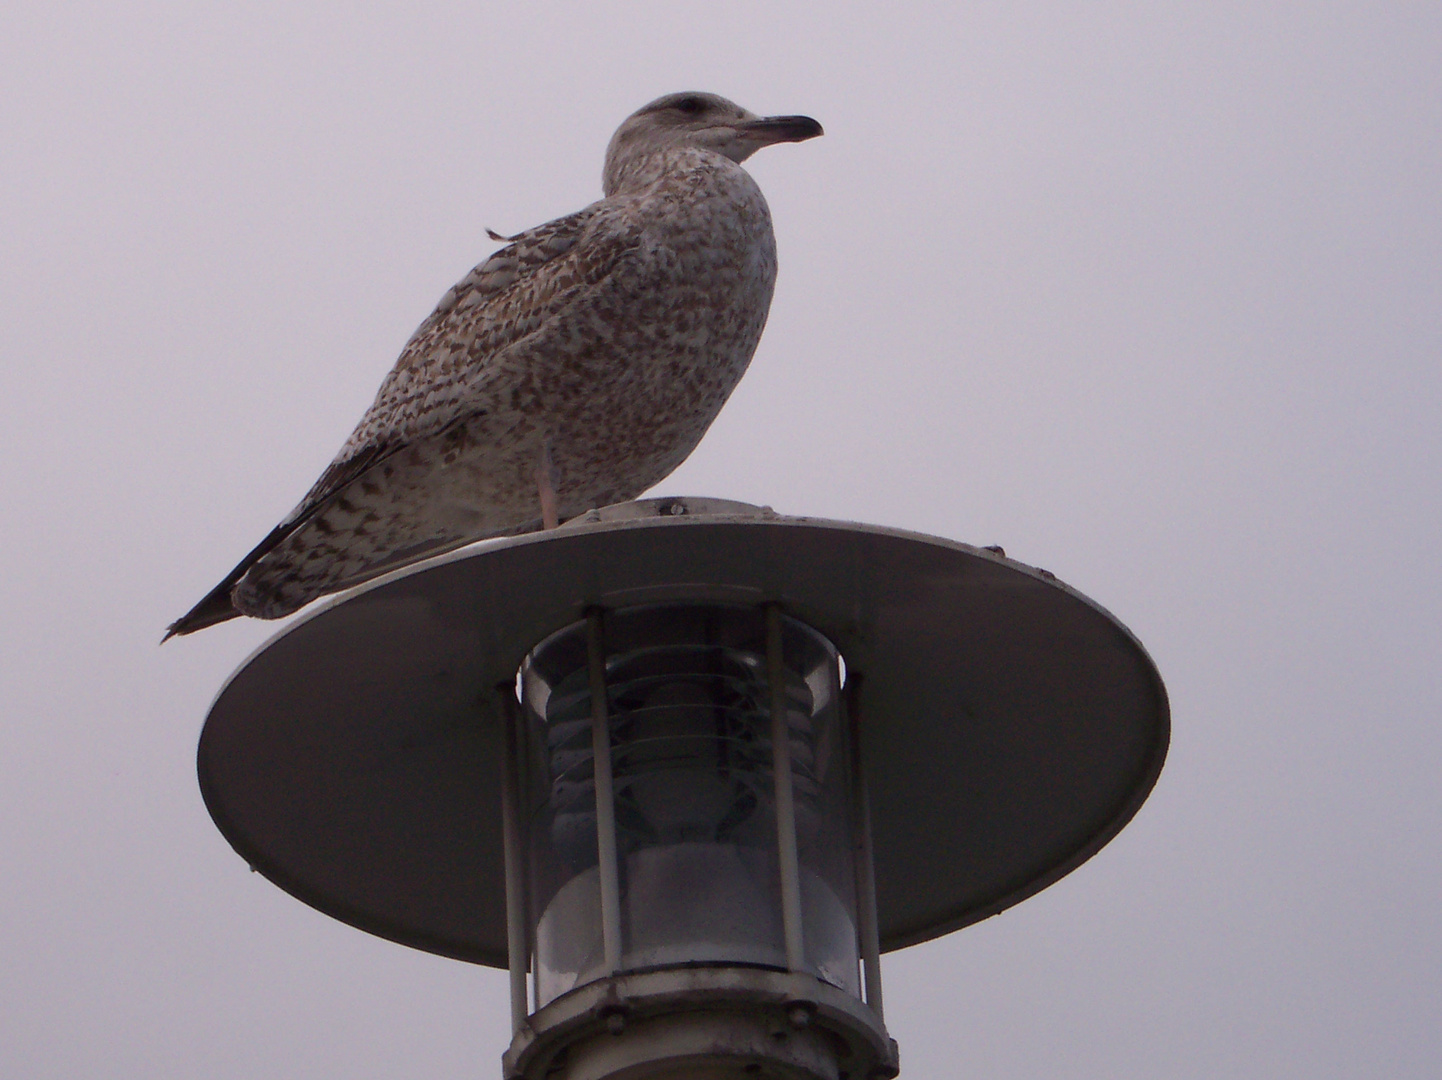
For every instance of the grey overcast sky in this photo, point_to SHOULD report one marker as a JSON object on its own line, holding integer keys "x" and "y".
{"x": 1151, "y": 294}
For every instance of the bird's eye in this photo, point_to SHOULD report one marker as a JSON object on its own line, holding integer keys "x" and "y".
{"x": 690, "y": 105}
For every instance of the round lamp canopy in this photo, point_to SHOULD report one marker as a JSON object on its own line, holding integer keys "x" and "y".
{"x": 1009, "y": 726}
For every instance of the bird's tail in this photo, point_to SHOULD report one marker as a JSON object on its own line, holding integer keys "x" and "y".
{"x": 218, "y": 607}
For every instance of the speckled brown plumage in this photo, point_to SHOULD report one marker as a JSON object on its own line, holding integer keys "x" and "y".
{"x": 598, "y": 347}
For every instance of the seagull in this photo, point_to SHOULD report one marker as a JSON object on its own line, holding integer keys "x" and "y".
{"x": 576, "y": 367}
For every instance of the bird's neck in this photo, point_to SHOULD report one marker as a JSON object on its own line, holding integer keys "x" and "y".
{"x": 636, "y": 173}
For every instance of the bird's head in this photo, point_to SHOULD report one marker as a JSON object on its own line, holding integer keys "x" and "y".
{"x": 705, "y": 121}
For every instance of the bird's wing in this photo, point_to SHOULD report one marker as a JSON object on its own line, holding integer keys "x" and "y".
{"x": 505, "y": 299}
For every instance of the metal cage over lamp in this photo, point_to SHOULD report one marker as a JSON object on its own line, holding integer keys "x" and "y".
{"x": 686, "y": 768}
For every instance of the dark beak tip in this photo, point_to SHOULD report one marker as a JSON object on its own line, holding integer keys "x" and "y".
{"x": 806, "y": 128}
{"x": 788, "y": 128}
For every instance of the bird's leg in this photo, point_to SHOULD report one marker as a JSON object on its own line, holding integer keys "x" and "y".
{"x": 547, "y": 477}
{"x": 549, "y": 517}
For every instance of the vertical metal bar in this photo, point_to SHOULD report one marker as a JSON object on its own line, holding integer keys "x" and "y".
{"x": 512, "y": 835}
{"x": 867, "y": 930}
{"x": 605, "y": 799}
{"x": 785, "y": 795}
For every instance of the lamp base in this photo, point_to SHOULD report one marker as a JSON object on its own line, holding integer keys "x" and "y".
{"x": 703, "y": 1023}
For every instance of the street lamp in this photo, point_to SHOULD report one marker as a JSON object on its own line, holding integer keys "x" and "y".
{"x": 686, "y": 768}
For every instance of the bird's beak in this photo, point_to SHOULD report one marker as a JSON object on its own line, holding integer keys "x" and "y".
{"x": 776, "y": 129}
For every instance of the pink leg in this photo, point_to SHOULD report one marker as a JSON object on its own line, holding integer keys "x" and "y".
{"x": 546, "y": 487}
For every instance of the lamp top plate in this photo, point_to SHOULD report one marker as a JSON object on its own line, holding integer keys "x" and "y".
{"x": 1010, "y": 726}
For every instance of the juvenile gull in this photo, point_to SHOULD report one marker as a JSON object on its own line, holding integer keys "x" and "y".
{"x": 576, "y": 367}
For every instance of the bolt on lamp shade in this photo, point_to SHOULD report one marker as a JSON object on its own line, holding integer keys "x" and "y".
{"x": 688, "y": 702}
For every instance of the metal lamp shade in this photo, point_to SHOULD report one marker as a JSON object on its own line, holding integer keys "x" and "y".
{"x": 1009, "y": 726}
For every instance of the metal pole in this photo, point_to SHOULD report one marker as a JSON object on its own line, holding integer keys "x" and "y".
{"x": 867, "y": 930}
{"x": 785, "y": 795}
{"x": 512, "y": 815}
{"x": 605, "y": 800}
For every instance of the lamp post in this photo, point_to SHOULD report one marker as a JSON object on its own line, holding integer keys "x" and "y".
{"x": 685, "y": 768}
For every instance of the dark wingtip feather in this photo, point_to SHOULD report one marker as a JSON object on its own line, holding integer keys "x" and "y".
{"x": 215, "y": 608}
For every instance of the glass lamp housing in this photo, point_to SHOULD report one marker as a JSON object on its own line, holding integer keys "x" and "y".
{"x": 700, "y": 849}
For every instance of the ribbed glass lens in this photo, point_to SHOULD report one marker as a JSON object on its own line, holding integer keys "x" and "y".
{"x": 690, "y": 733}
